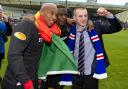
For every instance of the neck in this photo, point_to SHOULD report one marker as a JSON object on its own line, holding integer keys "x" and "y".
{"x": 80, "y": 28}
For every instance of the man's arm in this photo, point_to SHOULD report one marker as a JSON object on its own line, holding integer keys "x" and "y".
{"x": 20, "y": 39}
{"x": 7, "y": 23}
{"x": 8, "y": 29}
{"x": 2, "y": 28}
{"x": 114, "y": 24}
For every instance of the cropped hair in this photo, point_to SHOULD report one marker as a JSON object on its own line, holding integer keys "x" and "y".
{"x": 76, "y": 8}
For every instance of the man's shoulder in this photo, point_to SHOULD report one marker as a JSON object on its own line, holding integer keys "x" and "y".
{"x": 27, "y": 21}
{"x": 25, "y": 26}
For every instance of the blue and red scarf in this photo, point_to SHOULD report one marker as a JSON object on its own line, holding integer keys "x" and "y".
{"x": 100, "y": 68}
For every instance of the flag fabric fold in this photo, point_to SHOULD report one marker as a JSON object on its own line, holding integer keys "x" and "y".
{"x": 56, "y": 59}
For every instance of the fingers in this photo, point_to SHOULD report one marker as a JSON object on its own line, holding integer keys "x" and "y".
{"x": 70, "y": 21}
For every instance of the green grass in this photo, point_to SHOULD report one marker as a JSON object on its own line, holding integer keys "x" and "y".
{"x": 116, "y": 46}
{"x": 4, "y": 62}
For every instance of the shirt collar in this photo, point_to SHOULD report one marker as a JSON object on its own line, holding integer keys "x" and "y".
{"x": 81, "y": 29}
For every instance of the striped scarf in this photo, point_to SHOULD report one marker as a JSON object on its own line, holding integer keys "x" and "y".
{"x": 100, "y": 68}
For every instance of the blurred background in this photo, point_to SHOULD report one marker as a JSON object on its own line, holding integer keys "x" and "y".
{"x": 15, "y": 9}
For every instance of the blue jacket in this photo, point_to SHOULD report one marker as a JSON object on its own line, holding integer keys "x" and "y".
{"x": 2, "y": 36}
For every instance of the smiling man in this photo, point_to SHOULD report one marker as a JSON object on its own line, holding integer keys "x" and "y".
{"x": 86, "y": 44}
{"x": 26, "y": 46}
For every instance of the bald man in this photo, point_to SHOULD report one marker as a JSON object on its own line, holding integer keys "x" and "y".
{"x": 25, "y": 49}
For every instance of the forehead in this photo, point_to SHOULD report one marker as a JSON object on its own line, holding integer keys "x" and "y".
{"x": 62, "y": 10}
{"x": 80, "y": 11}
{"x": 51, "y": 9}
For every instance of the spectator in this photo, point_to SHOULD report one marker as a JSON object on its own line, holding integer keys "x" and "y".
{"x": 5, "y": 29}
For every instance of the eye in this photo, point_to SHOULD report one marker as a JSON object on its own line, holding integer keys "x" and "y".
{"x": 85, "y": 15}
{"x": 52, "y": 13}
{"x": 80, "y": 16}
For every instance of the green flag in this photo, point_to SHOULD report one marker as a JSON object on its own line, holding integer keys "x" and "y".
{"x": 56, "y": 59}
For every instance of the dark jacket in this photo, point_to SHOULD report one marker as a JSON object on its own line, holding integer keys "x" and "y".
{"x": 23, "y": 56}
{"x": 64, "y": 32}
{"x": 9, "y": 28}
{"x": 112, "y": 26}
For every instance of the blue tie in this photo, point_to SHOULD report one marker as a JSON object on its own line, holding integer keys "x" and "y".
{"x": 81, "y": 54}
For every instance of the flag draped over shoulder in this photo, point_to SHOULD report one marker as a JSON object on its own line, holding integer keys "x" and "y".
{"x": 56, "y": 59}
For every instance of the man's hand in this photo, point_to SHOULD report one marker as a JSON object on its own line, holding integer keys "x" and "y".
{"x": 28, "y": 85}
{"x": 32, "y": 87}
{"x": 90, "y": 25}
{"x": 70, "y": 21}
{"x": 103, "y": 12}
